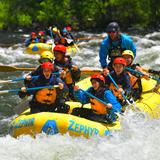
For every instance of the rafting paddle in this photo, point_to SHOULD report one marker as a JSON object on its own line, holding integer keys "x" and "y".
{"x": 15, "y": 80}
{"x": 13, "y": 69}
{"x": 110, "y": 116}
{"x": 92, "y": 96}
{"x": 22, "y": 78}
{"x": 116, "y": 85}
{"x": 140, "y": 73}
{"x": 28, "y": 89}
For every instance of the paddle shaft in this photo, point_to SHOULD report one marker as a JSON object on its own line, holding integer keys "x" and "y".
{"x": 118, "y": 89}
{"x": 92, "y": 96}
{"x": 13, "y": 69}
{"x": 22, "y": 78}
{"x": 28, "y": 89}
{"x": 134, "y": 71}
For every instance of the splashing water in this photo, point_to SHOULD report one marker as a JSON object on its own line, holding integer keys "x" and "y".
{"x": 138, "y": 138}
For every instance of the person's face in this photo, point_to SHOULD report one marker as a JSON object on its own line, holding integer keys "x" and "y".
{"x": 33, "y": 36}
{"x": 58, "y": 56}
{"x": 128, "y": 59}
{"x": 47, "y": 73}
{"x": 118, "y": 68}
{"x": 95, "y": 84}
{"x": 113, "y": 35}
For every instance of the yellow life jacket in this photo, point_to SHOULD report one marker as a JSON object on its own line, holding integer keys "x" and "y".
{"x": 115, "y": 91}
{"x": 98, "y": 107}
{"x": 46, "y": 96}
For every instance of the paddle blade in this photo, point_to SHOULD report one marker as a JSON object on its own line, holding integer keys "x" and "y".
{"x": 13, "y": 69}
{"x": 90, "y": 71}
{"x": 7, "y": 68}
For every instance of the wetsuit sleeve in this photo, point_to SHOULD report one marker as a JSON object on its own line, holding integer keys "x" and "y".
{"x": 81, "y": 96}
{"x": 133, "y": 48}
{"x": 103, "y": 53}
{"x": 110, "y": 98}
{"x": 65, "y": 89}
{"x": 129, "y": 44}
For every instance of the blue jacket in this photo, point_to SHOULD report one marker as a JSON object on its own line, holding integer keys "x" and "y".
{"x": 106, "y": 96}
{"x": 29, "y": 41}
{"x": 126, "y": 44}
{"x": 42, "y": 81}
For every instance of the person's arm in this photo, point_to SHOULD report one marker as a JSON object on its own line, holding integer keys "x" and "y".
{"x": 128, "y": 44}
{"x": 103, "y": 53}
{"x": 65, "y": 89}
{"x": 110, "y": 98}
{"x": 81, "y": 96}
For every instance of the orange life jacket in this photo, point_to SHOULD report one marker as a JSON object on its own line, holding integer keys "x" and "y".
{"x": 115, "y": 91}
{"x": 133, "y": 80}
{"x": 68, "y": 79}
{"x": 98, "y": 107}
{"x": 46, "y": 96}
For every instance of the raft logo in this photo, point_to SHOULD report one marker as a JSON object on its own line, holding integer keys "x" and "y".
{"x": 80, "y": 128}
{"x": 50, "y": 127}
{"x": 24, "y": 123}
{"x": 35, "y": 48}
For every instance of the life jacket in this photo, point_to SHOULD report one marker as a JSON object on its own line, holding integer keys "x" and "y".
{"x": 115, "y": 91}
{"x": 98, "y": 107}
{"x": 115, "y": 51}
{"x": 46, "y": 96}
{"x": 66, "y": 67}
{"x": 134, "y": 81}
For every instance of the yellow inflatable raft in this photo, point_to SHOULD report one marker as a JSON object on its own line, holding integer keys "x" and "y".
{"x": 38, "y": 48}
{"x": 52, "y": 123}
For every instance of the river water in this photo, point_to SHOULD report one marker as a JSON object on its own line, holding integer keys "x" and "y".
{"x": 138, "y": 139}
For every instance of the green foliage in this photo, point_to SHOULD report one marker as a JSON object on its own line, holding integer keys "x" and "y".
{"x": 3, "y": 14}
{"x": 81, "y": 13}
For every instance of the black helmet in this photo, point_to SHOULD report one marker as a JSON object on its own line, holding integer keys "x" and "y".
{"x": 113, "y": 27}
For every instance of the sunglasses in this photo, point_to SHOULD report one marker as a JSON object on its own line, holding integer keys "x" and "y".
{"x": 111, "y": 32}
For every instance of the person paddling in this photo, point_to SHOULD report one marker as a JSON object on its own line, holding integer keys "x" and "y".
{"x": 33, "y": 39}
{"x": 135, "y": 78}
{"x": 121, "y": 77}
{"x": 98, "y": 112}
{"x": 69, "y": 72}
{"x": 46, "y": 100}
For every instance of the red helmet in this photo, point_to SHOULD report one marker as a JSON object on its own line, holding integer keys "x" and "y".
{"x": 47, "y": 65}
{"x": 33, "y": 33}
{"x": 40, "y": 33}
{"x": 60, "y": 48}
{"x": 119, "y": 60}
{"x": 68, "y": 28}
{"x": 98, "y": 76}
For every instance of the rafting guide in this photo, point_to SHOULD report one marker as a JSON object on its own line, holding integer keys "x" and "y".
{"x": 113, "y": 46}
